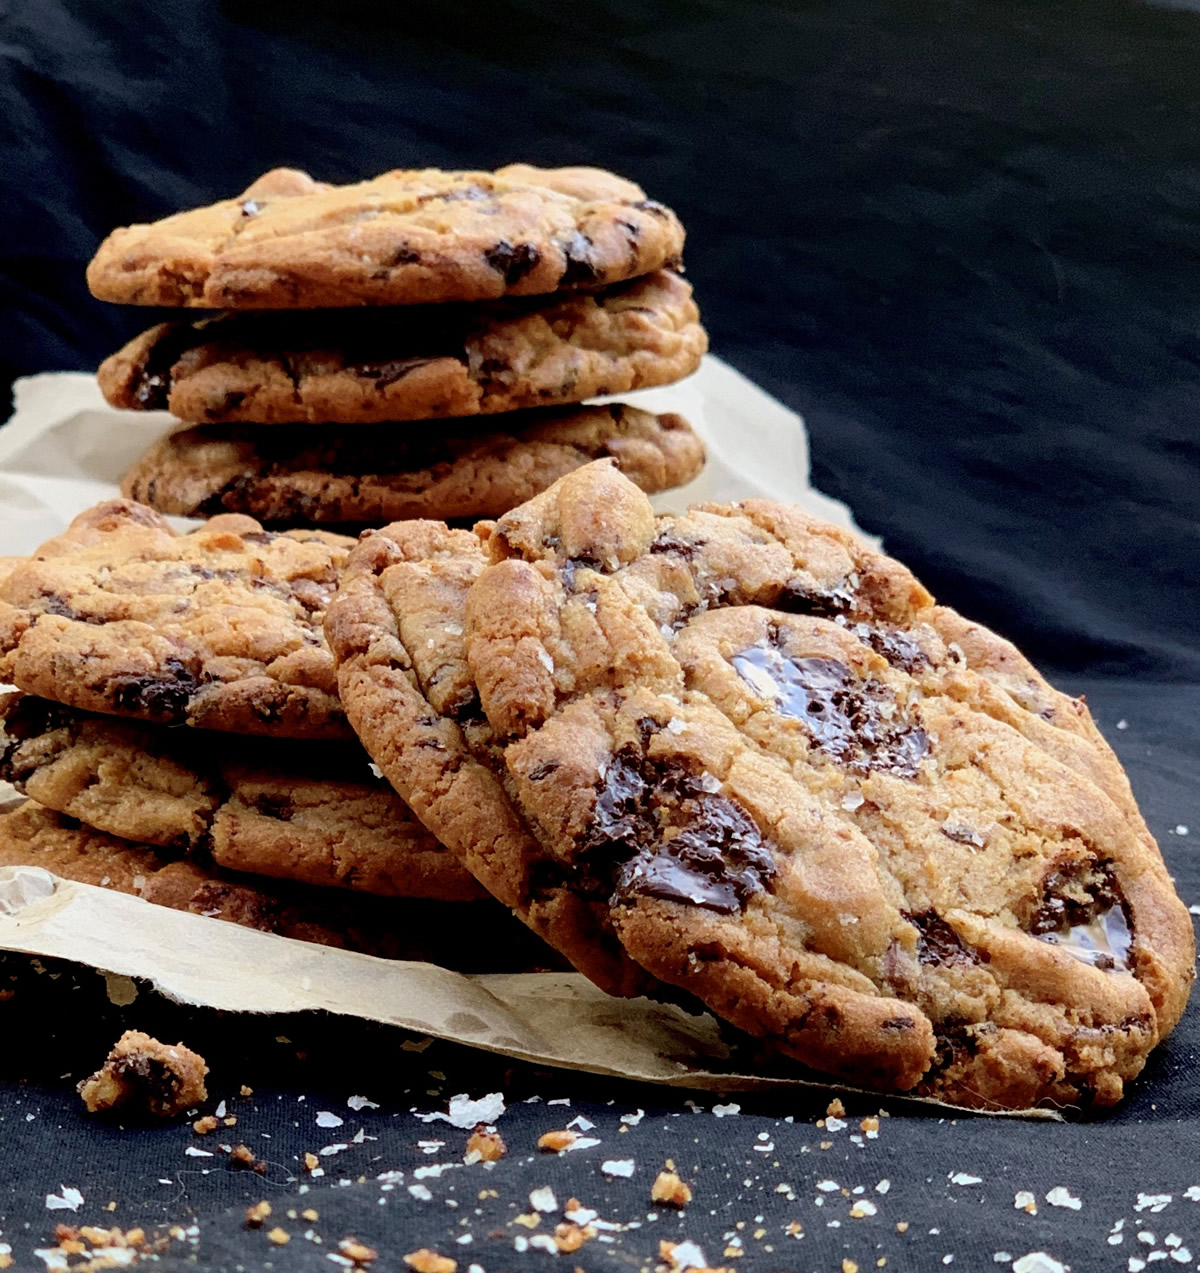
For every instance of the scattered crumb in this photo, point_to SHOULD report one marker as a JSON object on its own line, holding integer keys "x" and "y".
{"x": 246, "y": 1091}
{"x": 528, "y": 1220}
{"x": 901, "y": 1226}
{"x": 311, "y": 1161}
{"x": 670, "y": 1190}
{"x": 427, "y": 1261}
{"x": 256, "y": 1214}
{"x": 569, "y": 1236}
{"x": 243, "y": 1156}
{"x": 485, "y": 1146}
{"x": 360, "y": 1253}
{"x": 870, "y": 1125}
{"x": 310, "y": 1214}
{"x": 835, "y": 1108}
{"x": 849, "y": 1266}
{"x": 281, "y": 1237}
{"x": 202, "y": 1126}
{"x": 556, "y": 1142}
{"x": 143, "y": 1073}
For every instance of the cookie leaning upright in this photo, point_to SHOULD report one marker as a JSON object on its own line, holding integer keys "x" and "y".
{"x": 776, "y": 774}
{"x": 406, "y": 237}
{"x": 220, "y": 628}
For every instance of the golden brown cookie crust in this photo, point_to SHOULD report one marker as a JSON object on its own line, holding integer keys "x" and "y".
{"x": 412, "y": 363}
{"x": 308, "y": 812}
{"x": 219, "y": 628}
{"x": 310, "y": 474}
{"x": 407, "y": 237}
{"x": 849, "y": 821}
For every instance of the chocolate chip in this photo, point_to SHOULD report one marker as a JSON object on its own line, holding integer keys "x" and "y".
{"x": 163, "y": 698}
{"x": 824, "y": 603}
{"x": 540, "y": 772}
{"x": 514, "y": 261}
{"x": 651, "y": 206}
{"x": 388, "y": 373}
{"x": 937, "y": 942}
{"x": 51, "y": 603}
{"x": 227, "y": 402}
{"x": 1083, "y": 910}
{"x": 898, "y": 648}
{"x": 281, "y": 807}
{"x": 855, "y": 721}
{"x": 670, "y": 837}
{"x": 403, "y": 255}
{"x": 579, "y": 267}
{"x": 682, "y": 548}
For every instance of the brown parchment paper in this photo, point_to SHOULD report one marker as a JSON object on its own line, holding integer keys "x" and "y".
{"x": 64, "y": 450}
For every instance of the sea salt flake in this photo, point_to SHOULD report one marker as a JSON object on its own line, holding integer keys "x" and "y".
{"x": 883, "y": 1186}
{"x": 685, "y": 1255}
{"x": 1192, "y": 1193}
{"x": 357, "y": 1103}
{"x": 421, "y": 1192}
{"x": 543, "y": 1242}
{"x": 962, "y": 1178}
{"x": 1182, "y": 1255}
{"x": 1061, "y": 1196}
{"x": 327, "y": 1119}
{"x": 618, "y": 1167}
{"x": 584, "y": 1124}
{"x": 721, "y": 1111}
{"x": 466, "y": 1114}
{"x": 633, "y": 1119}
{"x": 828, "y": 1186}
{"x": 1038, "y": 1262}
{"x": 1002, "y": 1257}
{"x": 193, "y": 1152}
{"x": 1136, "y": 1265}
{"x": 863, "y": 1207}
{"x": 70, "y": 1199}
{"x": 833, "y": 1124}
{"x": 581, "y": 1142}
{"x": 1156, "y": 1202}
{"x": 543, "y": 1199}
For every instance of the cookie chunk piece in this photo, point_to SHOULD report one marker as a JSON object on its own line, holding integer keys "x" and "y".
{"x": 849, "y": 821}
{"x": 220, "y": 628}
{"x": 412, "y": 363}
{"x": 406, "y": 237}
{"x": 312, "y": 474}
{"x": 306, "y": 811}
{"x": 468, "y": 936}
{"x": 145, "y": 1076}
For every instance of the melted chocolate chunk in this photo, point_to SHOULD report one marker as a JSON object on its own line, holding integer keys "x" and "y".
{"x": 392, "y": 371}
{"x": 824, "y": 603}
{"x": 937, "y": 942}
{"x": 404, "y": 255}
{"x": 1082, "y": 910}
{"x": 281, "y": 807}
{"x": 513, "y": 260}
{"x": 682, "y": 548}
{"x": 668, "y": 836}
{"x": 163, "y": 698}
{"x": 651, "y": 206}
{"x": 900, "y": 649}
{"x": 854, "y": 721}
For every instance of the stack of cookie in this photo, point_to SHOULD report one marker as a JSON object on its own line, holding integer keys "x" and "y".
{"x": 493, "y": 303}
{"x": 178, "y": 731}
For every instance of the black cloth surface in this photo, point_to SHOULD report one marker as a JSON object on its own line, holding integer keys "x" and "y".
{"x": 961, "y": 239}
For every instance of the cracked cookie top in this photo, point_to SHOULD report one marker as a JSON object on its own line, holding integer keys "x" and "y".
{"x": 770, "y": 771}
{"x": 220, "y": 628}
{"x": 406, "y": 237}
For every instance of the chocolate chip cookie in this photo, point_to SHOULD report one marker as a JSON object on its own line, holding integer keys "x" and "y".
{"x": 412, "y": 363}
{"x": 470, "y": 936}
{"x": 406, "y": 237}
{"x": 314, "y": 474}
{"x": 220, "y": 628}
{"x": 770, "y": 771}
{"x": 304, "y": 811}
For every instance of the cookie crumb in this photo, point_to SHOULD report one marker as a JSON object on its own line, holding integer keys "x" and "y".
{"x": 156, "y": 1078}
{"x": 670, "y": 1190}
{"x": 485, "y": 1146}
{"x": 835, "y": 1108}
{"x": 202, "y": 1126}
{"x": 281, "y": 1237}
{"x": 360, "y": 1253}
{"x": 311, "y": 1161}
{"x": 555, "y": 1142}
{"x": 246, "y": 1091}
{"x": 243, "y": 1156}
{"x": 427, "y": 1261}
{"x": 257, "y": 1213}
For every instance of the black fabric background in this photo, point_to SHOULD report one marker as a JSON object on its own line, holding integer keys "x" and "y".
{"x": 961, "y": 238}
